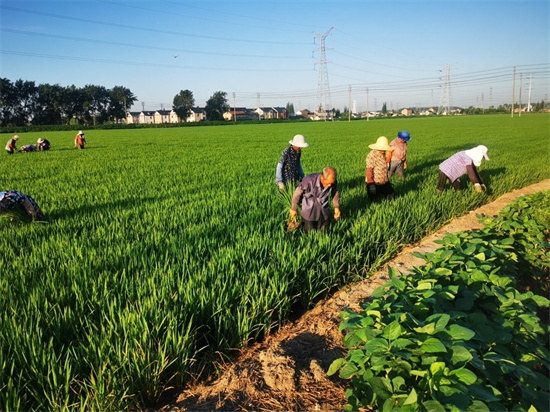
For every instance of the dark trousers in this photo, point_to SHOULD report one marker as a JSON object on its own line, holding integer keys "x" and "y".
{"x": 473, "y": 174}
{"x": 385, "y": 190}
{"x": 310, "y": 225}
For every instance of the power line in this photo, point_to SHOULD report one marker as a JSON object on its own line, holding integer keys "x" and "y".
{"x": 130, "y": 27}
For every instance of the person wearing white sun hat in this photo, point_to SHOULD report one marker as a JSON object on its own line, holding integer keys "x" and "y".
{"x": 376, "y": 176}
{"x": 10, "y": 146}
{"x": 466, "y": 161}
{"x": 79, "y": 140}
{"x": 289, "y": 167}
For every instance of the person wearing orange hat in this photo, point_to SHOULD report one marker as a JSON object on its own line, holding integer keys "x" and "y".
{"x": 10, "y": 146}
{"x": 376, "y": 178}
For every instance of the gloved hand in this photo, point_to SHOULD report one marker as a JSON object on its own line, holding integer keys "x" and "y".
{"x": 371, "y": 188}
{"x": 484, "y": 187}
{"x": 478, "y": 187}
{"x": 281, "y": 186}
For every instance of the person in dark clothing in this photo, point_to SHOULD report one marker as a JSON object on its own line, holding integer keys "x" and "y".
{"x": 43, "y": 144}
{"x": 289, "y": 167}
{"x": 313, "y": 194}
{"x": 466, "y": 161}
{"x": 20, "y": 203}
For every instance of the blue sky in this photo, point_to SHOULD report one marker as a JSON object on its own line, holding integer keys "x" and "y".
{"x": 265, "y": 51}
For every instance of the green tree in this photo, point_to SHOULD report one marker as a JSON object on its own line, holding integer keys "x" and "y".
{"x": 48, "y": 105}
{"x": 384, "y": 108}
{"x": 183, "y": 103}
{"x": 290, "y": 107}
{"x": 120, "y": 99}
{"x": 216, "y": 106}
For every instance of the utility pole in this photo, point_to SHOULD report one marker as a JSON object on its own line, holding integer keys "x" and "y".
{"x": 368, "y": 110}
{"x": 234, "y": 109}
{"x": 349, "y": 103}
{"x": 520, "y": 87}
{"x": 323, "y": 103}
{"x": 259, "y": 107}
{"x": 513, "y": 92}
{"x": 529, "y": 101}
{"x": 143, "y": 106}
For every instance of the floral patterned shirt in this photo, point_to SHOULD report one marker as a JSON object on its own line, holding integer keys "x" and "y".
{"x": 376, "y": 160}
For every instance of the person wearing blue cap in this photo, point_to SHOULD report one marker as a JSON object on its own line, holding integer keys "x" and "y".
{"x": 397, "y": 158}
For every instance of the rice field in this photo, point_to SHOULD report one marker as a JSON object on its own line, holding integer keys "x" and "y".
{"x": 164, "y": 250}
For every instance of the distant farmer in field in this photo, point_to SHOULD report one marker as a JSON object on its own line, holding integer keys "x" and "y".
{"x": 313, "y": 193}
{"x": 29, "y": 148}
{"x": 289, "y": 167}
{"x": 10, "y": 146}
{"x": 376, "y": 177}
{"x": 79, "y": 140}
{"x": 460, "y": 163}
{"x": 43, "y": 144}
{"x": 398, "y": 156}
{"x": 19, "y": 205}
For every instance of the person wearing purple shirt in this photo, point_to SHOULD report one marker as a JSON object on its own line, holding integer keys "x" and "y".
{"x": 460, "y": 163}
{"x": 313, "y": 194}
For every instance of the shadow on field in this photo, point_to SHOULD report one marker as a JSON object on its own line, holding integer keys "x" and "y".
{"x": 126, "y": 204}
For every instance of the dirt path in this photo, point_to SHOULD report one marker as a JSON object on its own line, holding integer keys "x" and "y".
{"x": 287, "y": 371}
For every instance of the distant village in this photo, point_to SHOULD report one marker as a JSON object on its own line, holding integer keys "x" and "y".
{"x": 261, "y": 113}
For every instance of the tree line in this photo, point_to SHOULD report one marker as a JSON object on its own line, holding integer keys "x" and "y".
{"x": 24, "y": 102}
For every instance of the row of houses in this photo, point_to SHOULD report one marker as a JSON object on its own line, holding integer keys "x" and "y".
{"x": 198, "y": 113}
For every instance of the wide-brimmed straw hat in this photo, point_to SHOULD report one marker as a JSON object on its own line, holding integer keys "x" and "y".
{"x": 299, "y": 141}
{"x": 477, "y": 154}
{"x": 15, "y": 137}
{"x": 40, "y": 141}
{"x": 81, "y": 132}
{"x": 381, "y": 144}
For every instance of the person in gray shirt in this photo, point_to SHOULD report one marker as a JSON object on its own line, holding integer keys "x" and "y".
{"x": 313, "y": 194}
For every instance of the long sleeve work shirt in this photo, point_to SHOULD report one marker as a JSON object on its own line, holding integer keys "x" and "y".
{"x": 314, "y": 198}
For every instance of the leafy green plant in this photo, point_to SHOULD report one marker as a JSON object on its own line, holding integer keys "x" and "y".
{"x": 456, "y": 334}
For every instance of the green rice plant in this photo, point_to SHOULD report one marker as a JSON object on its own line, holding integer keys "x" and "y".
{"x": 166, "y": 248}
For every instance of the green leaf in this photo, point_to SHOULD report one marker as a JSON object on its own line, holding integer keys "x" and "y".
{"x": 458, "y": 332}
{"x": 466, "y": 376}
{"x": 348, "y": 371}
{"x": 335, "y": 366}
{"x": 379, "y": 292}
{"x": 377, "y": 345}
{"x": 401, "y": 343}
{"x": 432, "y": 345}
{"x": 436, "y": 367}
{"x": 440, "y": 319}
{"x": 460, "y": 354}
{"x": 412, "y": 398}
{"x": 443, "y": 271}
{"x": 429, "y": 329}
{"x": 392, "y": 331}
{"x": 541, "y": 301}
{"x": 381, "y": 386}
{"x": 478, "y": 406}
{"x": 480, "y": 256}
{"x": 433, "y": 406}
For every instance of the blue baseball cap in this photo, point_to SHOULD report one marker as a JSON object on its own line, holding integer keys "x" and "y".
{"x": 405, "y": 135}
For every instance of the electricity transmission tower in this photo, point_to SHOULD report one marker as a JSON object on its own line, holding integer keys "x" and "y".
{"x": 445, "y": 101}
{"x": 323, "y": 103}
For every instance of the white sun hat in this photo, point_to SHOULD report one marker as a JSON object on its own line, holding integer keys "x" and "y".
{"x": 299, "y": 141}
{"x": 477, "y": 154}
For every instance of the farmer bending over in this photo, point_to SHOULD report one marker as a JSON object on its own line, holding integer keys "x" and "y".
{"x": 376, "y": 176}
{"x": 312, "y": 194}
{"x": 460, "y": 163}
{"x": 43, "y": 144}
{"x": 289, "y": 167}
{"x": 79, "y": 140}
{"x": 398, "y": 156}
{"x": 10, "y": 146}
{"x": 20, "y": 203}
